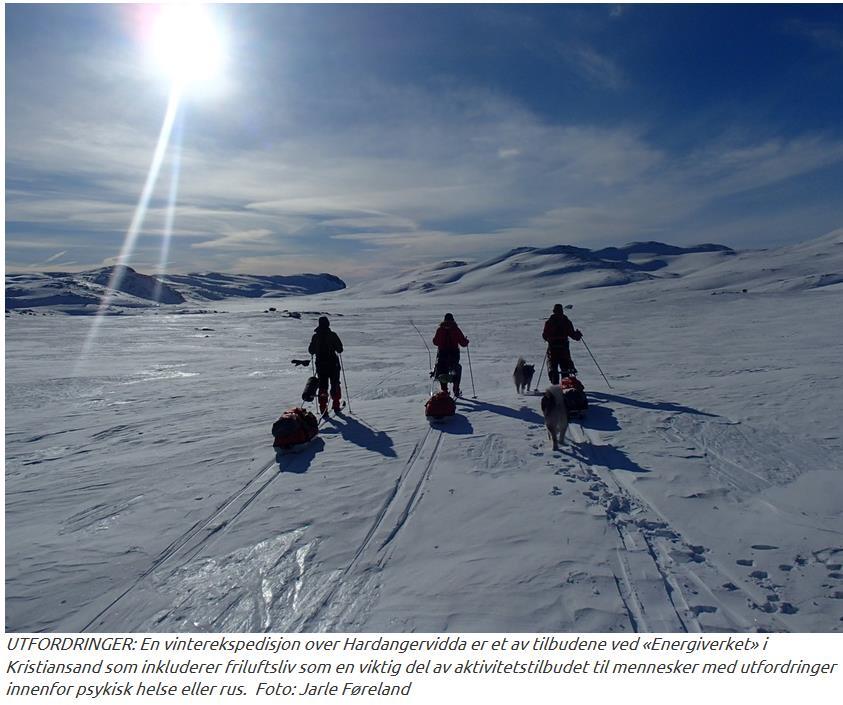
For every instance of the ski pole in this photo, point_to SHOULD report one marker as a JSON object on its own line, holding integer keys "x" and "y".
{"x": 470, "y": 372}
{"x": 544, "y": 359}
{"x": 313, "y": 373}
{"x": 429, "y": 358}
{"x": 595, "y": 362}
{"x": 345, "y": 382}
{"x": 316, "y": 396}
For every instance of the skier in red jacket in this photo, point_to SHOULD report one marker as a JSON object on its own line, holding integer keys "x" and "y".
{"x": 448, "y": 339}
{"x": 557, "y": 329}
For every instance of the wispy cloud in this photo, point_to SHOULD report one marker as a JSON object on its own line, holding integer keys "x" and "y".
{"x": 450, "y": 189}
{"x": 593, "y": 65}
{"x": 508, "y": 153}
{"x": 822, "y": 34}
{"x": 241, "y": 241}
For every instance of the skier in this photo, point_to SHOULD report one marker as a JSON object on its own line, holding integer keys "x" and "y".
{"x": 327, "y": 346}
{"x": 557, "y": 329}
{"x": 448, "y": 340}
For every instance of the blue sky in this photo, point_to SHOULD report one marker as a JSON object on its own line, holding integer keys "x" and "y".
{"x": 359, "y": 139}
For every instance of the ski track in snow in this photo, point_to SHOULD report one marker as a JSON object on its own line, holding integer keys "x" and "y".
{"x": 372, "y": 554}
{"x": 647, "y": 578}
{"x": 189, "y": 544}
{"x": 652, "y": 550}
{"x": 191, "y": 541}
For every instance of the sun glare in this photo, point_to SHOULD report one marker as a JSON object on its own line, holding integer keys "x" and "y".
{"x": 189, "y": 48}
{"x": 186, "y": 43}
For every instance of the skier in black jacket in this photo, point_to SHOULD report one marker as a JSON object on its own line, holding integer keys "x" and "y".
{"x": 557, "y": 329}
{"x": 327, "y": 346}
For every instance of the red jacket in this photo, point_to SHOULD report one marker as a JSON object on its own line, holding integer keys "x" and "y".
{"x": 449, "y": 336}
{"x": 557, "y": 329}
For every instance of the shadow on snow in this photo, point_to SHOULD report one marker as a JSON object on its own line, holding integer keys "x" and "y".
{"x": 657, "y": 406}
{"x": 525, "y": 413}
{"x": 606, "y": 456}
{"x": 599, "y": 418}
{"x": 457, "y": 425}
{"x": 363, "y": 435}
{"x": 298, "y": 461}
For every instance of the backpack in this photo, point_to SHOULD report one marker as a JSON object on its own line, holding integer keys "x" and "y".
{"x": 310, "y": 389}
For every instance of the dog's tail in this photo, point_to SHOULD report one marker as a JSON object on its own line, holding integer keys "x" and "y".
{"x": 548, "y": 403}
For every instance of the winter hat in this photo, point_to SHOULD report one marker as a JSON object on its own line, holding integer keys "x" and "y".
{"x": 324, "y": 322}
{"x": 449, "y": 317}
{"x": 558, "y": 308}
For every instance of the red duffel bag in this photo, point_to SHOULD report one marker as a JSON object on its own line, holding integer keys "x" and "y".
{"x": 295, "y": 426}
{"x": 439, "y": 405}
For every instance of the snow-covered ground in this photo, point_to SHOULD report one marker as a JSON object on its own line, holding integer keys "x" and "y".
{"x": 703, "y": 491}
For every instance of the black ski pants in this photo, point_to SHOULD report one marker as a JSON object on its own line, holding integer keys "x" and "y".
{"x": 558, "y": 359}
{"x": 448, "y": 363}
{"x": 328, "y": 374}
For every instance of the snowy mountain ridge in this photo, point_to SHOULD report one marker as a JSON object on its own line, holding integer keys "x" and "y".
{"x": 568, "y": 265}
{"x": 126, "y": 288}
{"x": 814, "y": 264}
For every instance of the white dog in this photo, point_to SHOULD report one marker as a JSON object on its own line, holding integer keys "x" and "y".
{"x": 555, "y": 415}
{"x": 523, "y": 375}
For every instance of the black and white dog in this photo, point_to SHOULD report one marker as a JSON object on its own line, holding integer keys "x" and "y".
{"x": 555, "y": 415}
{"x": 523, "y": 375}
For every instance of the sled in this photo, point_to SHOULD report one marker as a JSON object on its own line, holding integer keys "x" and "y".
{"x": 294, "y": 429}
{"x": 576, "y": 402}
{"x": 440, "y": 407}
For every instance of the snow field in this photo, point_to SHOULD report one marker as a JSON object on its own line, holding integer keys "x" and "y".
{"x": 701, "y": 493}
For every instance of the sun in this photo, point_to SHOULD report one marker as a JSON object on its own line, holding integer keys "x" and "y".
{"x": 187, "y": 45}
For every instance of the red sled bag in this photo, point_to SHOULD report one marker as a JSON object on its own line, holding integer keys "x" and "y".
{"x": 295, "y": 426}
{"x": 571, "y": 383}
{"x": 439, "y": 405}
{"x": 576, "y": 402}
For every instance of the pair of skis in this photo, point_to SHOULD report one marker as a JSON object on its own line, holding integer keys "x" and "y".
{"x": 336, "y": 412}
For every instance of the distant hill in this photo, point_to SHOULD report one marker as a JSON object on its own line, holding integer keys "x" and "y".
{"x": 125, "y": 288}
{"x": 811, "y": 265}
{"x": 213, "y": 286}
{"x": 572, "y": 267}
{"x": 814, "y": 264}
